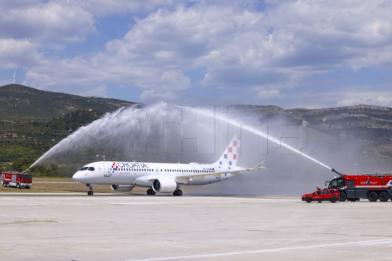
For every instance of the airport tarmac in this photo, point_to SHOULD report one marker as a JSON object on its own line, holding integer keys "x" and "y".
{"x": 126, "y": 228}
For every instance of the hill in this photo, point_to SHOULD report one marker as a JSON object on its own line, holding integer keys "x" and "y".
{"x": 20, "y": 102}
{"x": 32, "y": 121}
{"x": 369, "y": 125}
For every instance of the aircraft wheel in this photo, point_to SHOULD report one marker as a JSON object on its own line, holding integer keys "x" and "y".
{"x": 333, "y": 200}
{"x": 150, "y": 192}
{"x": 90, "y": 191}
{"x": 177, "y": 192}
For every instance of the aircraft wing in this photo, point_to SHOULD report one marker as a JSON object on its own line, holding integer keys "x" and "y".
{"x": 223, "y": 173}
{"x": 145, "y": 181}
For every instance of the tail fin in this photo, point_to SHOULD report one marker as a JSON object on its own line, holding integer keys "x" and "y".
{"x": 230, "y": 155}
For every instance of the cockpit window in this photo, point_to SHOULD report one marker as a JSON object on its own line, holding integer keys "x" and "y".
{"x": 84, "y": 168}
{"x": 91, "y": 168}
{"x": 336, "y": 183}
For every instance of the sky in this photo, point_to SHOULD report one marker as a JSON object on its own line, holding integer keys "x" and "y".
{"x": 304, "y": 53}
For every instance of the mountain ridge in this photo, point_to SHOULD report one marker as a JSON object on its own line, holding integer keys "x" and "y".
{"x": 32, "y": 121}
{"x": 23, "y": 102}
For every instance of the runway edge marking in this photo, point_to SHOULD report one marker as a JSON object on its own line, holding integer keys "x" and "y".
{"x": 269, "y": 250}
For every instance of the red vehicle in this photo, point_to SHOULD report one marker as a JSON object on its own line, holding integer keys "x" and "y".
{"x": 320, "y": 195}
{"x": 366, "y": 186}
{"x": 16, "y": 179}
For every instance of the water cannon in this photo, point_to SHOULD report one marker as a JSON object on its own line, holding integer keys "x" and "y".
{"x": 337, "y": 172}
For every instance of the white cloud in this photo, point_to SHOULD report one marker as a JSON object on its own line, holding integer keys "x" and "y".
{"x": 342, "y": 96}
{"x": 45, "y": 23}
{"x": 167, "y": 87}
{"x": 17, "y": 53}
{"x": 155, "y": 53}
{"x": 264, "y": 50}
{"x": 268, "y": 93}
{"x": 110, "y": 7}
{"x": 332, "y": 34}
{"x": 375, "y": 97}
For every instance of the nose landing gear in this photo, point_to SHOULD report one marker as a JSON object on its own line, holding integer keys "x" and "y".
{"x": 90, "y": 191}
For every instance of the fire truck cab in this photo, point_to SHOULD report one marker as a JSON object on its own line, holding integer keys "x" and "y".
{"x": 367, "y": 186}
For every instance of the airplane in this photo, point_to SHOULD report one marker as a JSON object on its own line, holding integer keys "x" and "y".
{"x": 162, "y": 177}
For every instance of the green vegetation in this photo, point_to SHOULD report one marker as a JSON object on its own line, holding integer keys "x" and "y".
{"x": 53, "y": 170}
{"x": 32, "y": 121}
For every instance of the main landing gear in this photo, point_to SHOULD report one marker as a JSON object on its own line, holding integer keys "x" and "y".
{"x": 150, "y": 192}
{"x": 177, "y": 192}
{"x": 90, "y": 191}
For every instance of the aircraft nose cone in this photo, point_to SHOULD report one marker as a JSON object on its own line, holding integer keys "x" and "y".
{"x": 77, "y": 176}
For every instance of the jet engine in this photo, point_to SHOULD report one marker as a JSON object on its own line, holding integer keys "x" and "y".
{"x": 164, "y": 185}
{"x": 121, "y": 188}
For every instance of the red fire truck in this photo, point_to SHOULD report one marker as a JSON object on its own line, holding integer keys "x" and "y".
{"x": 16, "y": 179}
{"x": 366, "y": 186}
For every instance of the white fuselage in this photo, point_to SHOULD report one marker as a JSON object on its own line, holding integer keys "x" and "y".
{"x": 133, "y": 173}
{"x": 161, "y": 177}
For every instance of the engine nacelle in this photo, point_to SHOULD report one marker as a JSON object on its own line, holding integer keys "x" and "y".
{"x": 121, "y": 188}
{"x": 164, "y": 185}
